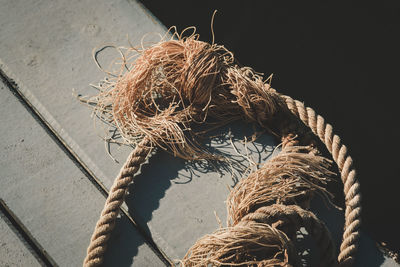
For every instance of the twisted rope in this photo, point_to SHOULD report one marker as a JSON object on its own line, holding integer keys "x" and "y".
{"x": 324, "y": 131}
{"x": 344, "y": 161}
{"x": 289, "y": 178}
{"x": 179, "y": 82}
{"x": 248, "y": 243}
{"x": 289, "y": 219}
{"x": 106, "y": 222}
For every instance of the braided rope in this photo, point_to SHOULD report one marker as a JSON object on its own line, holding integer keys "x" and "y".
{"x": 344, "y": 161}
{"x": 106, "y": 222}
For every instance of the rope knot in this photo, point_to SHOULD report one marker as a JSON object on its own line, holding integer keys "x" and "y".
{"x": 258, "y": 100}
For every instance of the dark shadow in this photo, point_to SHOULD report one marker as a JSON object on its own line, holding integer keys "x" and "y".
{"x": 123, "y": 244}
{"x": 163, "y": 168}
{"x": 367, "y": 255}
{"x": 150, "y": 186}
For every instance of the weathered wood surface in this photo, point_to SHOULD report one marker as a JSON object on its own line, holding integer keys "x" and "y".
{"x": 51, "y": 196}
{"x": 46, "y": 48}
{"x": 13, "y": 252}
{"x": 55, "y": 57}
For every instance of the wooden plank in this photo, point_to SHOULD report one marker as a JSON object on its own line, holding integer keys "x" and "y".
{"x": 25, "y": 236}
{"x": 53, "y": 41}
{"x": 56, "y": 57}
{"x": 13, "y": 252}
{"x": 50, "y": 194}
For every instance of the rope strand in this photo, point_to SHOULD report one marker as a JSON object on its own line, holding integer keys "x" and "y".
{"x": 180, "y": 82}
{"x": 344, "y": 161}
{"x": 106, "y": 222}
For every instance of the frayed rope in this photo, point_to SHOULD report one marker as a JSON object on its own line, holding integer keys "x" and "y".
{"x": 161, "y": 97}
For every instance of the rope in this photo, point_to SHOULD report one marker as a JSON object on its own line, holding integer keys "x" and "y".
{"x": 344, "y": 161}
{"x": 250, "y": 237}
{"x": 106, "y": 222}
{"x": 248, "y": 243}
{"x": 292, "y": 217}
{"x": 324, "y": 131}
{"x": 177, "y": 83}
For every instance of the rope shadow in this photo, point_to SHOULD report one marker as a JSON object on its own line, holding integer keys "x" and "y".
{"x": 164, "y": 171}
{"x": 368, "y": 253}
{"x": 123, "y": 244}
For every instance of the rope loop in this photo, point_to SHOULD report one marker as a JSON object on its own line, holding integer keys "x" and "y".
{"x": 165, "y": 94}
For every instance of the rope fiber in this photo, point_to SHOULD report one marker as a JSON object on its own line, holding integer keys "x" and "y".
{"x": 106, "y": 223}
{"x": 182, "y": 81}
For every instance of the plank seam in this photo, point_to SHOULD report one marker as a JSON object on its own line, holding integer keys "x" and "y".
{"x": 60, "y": 140}
{"x": 27, "y": 238}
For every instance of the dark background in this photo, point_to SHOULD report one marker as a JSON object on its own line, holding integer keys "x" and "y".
{"x": 341, "y": 58}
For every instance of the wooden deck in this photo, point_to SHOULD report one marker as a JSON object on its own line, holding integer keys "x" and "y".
{"x": 54, "y": 169}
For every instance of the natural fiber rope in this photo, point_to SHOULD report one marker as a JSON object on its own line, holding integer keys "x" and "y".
{"x": 177, "y": 83}
{"x": 278, "y": 225}
{"x": 344, "y": 161}
{"x": 106, "y": 223}
{"x": 281, "y": 217}
{"x": 248, "y": 243}
{"x": 324, "y": 131}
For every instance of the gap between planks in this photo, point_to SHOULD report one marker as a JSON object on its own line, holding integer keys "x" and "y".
{"x": 13, "y": 87}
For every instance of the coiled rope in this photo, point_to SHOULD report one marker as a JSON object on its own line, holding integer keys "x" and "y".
{"x": 177, "y": 83}
{"x": 344, "y": 161}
